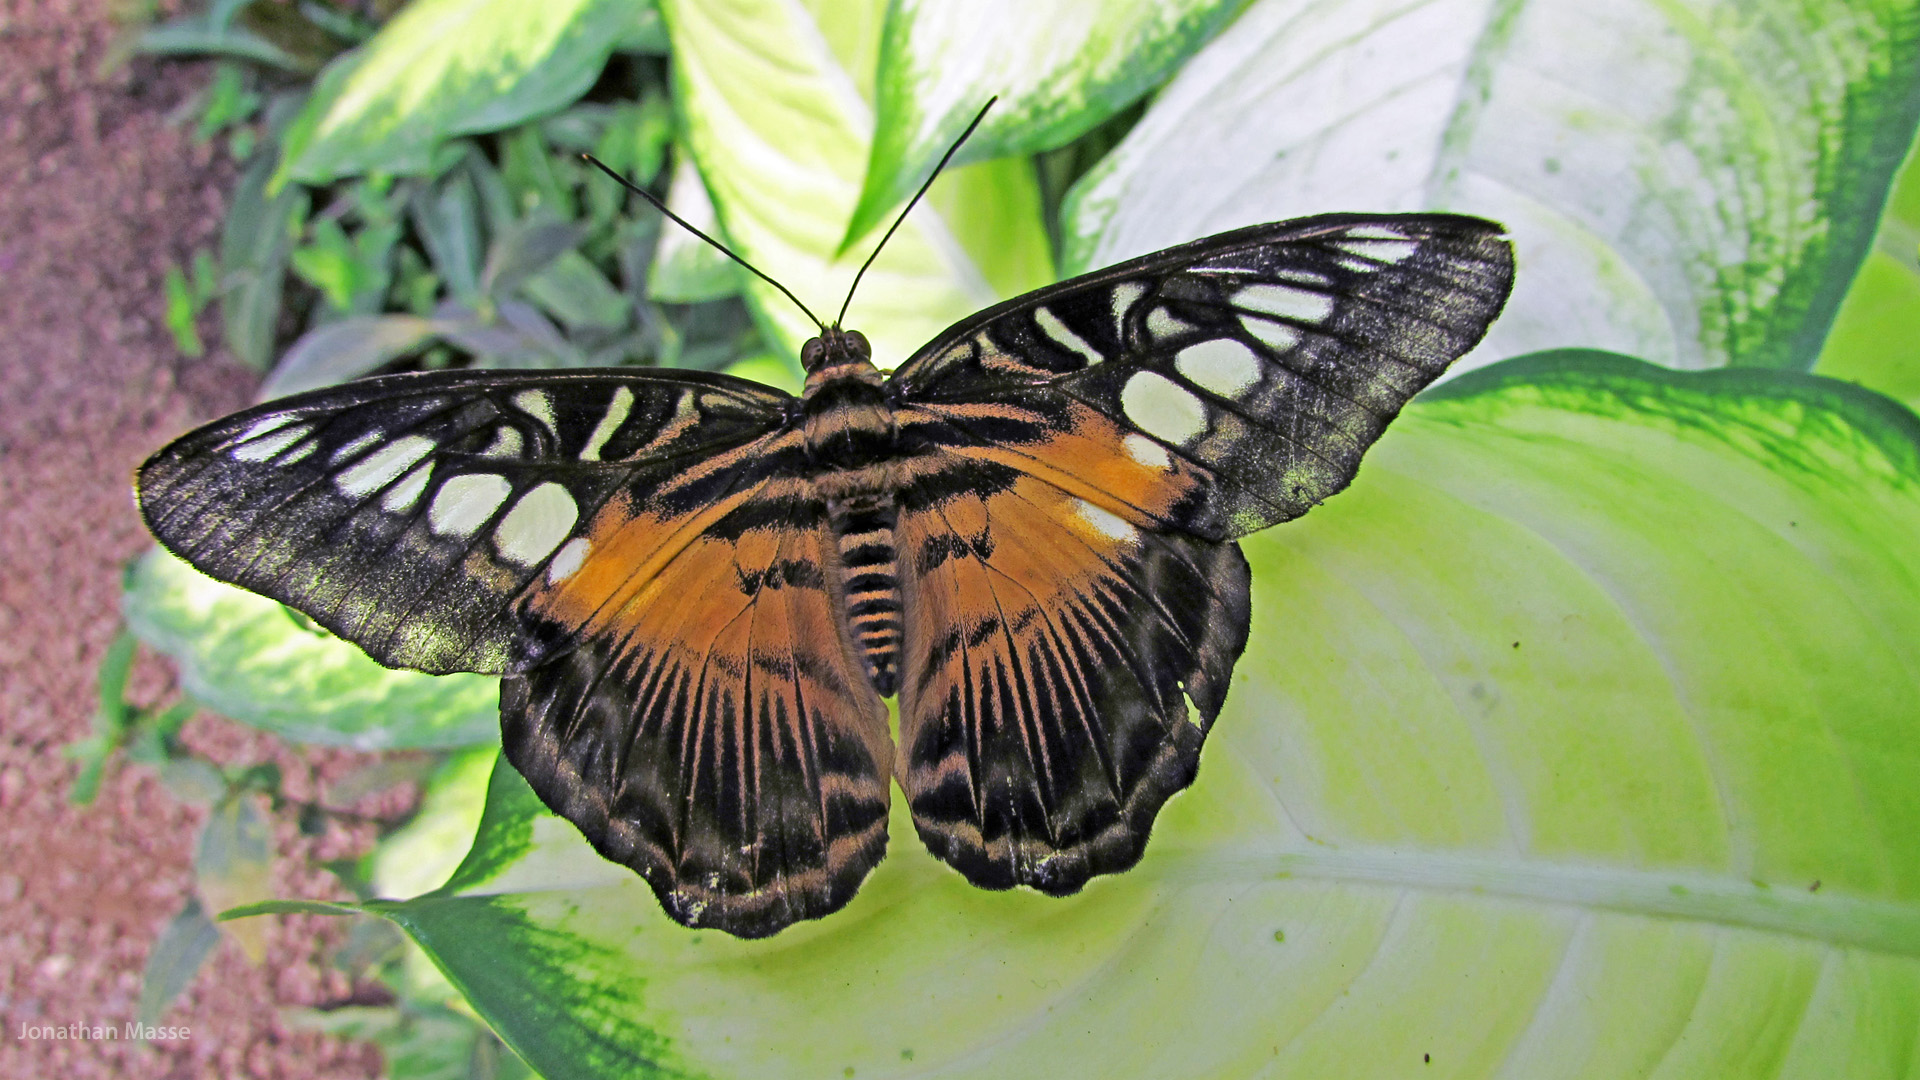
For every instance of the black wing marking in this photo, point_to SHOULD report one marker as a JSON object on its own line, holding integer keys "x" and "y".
{"x": 406, "y": 513}
{"x": 1264, "y": 360}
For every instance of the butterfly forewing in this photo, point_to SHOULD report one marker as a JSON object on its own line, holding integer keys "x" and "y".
{"x": 408, "y": 513}
{"x": 1266, "y": 360}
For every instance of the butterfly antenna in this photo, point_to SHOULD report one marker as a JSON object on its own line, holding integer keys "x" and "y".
{"x": 724, "y": 249}
{"x": 951, "y": 150}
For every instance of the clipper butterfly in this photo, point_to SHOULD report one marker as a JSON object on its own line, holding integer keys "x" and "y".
{"x": 698, "y": 589}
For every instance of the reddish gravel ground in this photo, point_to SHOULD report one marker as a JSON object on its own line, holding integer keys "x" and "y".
{"x": 97, "y": 196}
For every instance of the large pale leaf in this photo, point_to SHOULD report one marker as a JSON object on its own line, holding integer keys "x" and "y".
{"x": 779, "y": 130}
{"x": 1058, "y": 68}
{"x": 246, "y": 657}
{"x": 1693, "y": 181}
{"x": 443, "y": 68}
{"x": 1580, "y": 738}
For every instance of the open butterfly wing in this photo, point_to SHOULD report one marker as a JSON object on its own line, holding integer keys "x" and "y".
{"x": 1075, "y": 602}
{"x": 715, "y": 730}
{"x": 1063, "y": 665}
{"x": 633, "y": 550}
{"x": 1264, "y": 361}
{"x": 408, "y": 513}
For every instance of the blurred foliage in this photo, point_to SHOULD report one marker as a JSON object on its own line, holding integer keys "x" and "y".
{"x": 504, "y": 249}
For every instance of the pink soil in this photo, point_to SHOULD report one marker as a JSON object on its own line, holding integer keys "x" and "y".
{"x": 97, "y": 196}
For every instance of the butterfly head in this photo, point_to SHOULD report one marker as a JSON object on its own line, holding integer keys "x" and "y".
{"x": 836, "y": 348}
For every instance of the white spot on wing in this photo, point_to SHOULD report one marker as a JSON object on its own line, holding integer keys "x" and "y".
{"x": 1375, "y": 232}
{"x": 377, "y": 470}
{"x": 1286, "y": 302}
{"x": 1159, "y": 407}
{"x": 1125, "y": 295}
{"x": 464, "y": 503}
{"x": 265, "y": 424}
{"x": 616, "y": 414}
{"x": 568, "y": 559}
{"x": 506, "y": 443}
{"x": 1105, "y": 522}
{"x": 1277, "y": 336}
{"x": 354, "y": 447}
{"x": 1162, "y": 323}
{"x": 403, "y": 495}
{"x": 266, "y": 446}
{"x": 1389, "y": 251}
{"x": 1303, "y": 277}
{"x": 1147, "y": 452}
{"x": 537, "y": 404}
{"x": 1222, "y": 366}
{"x": 537, "y": 523}
{"x": 1063, "y": 335}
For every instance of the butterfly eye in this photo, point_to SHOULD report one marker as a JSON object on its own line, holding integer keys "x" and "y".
{"x": 857, "y": 344}
{"x": 811, "y": 352}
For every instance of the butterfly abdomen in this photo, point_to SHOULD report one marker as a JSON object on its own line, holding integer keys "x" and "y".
{"x": 864, "y": 526}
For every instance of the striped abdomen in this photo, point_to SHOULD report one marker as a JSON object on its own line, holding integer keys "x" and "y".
{"x": 864, "y": 526}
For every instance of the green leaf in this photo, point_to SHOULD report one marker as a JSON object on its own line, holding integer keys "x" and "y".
{"x": 201, "y": 35}
{"x": 348, "y": 349}
{"x": 779, "y": 133}
{"x": 422, "y": 854}
{"x": 110, "y": 722}
{"x": 330, "y": 264}
{"x": 233, "y": 863}
{"x": 1578, "y": 738}
{"x": 446, "y": 217}
{"x": 182, "y": 313}
{"x": 443, "y": 68}
{"x": 115, "y": 667}
{"x": 1694, "y": 183}
{"x": 255, "y": 243}
{"x": 1876, "y": 337}
{"x": 182, "y": 949}
{"x": 1059, "y": 69}
{"x": 192, "y": 781}
{"x": 288, "y": 907}
{"x": 526, "y": 248}
{"x": 241, "y": 655}
{"x": 573, "y": 290}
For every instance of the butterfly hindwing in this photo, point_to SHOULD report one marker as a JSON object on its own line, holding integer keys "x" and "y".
{"x": 1062, "y": 666}
{"x": 408, "y": 513}
{"x": 714, "y": 729}
{"x": 1264, "y": 360}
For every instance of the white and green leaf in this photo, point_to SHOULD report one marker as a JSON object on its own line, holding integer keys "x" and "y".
{"x": 1577, "y": 739}
{"x": 1058, "y": 69}
{"x": 1692, "y": 182}
{"x": 246, "y": 657}
{"x": 442, "y": 68}
{"x": 774, "y": 117}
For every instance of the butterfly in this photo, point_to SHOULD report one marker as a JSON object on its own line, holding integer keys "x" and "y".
{"x": 698, "y": 589}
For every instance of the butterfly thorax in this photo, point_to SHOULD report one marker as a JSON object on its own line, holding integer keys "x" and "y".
{"x": 851, "y": 444}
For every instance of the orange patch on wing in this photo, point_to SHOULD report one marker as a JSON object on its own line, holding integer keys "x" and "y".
{"x": 1093, "y": 460}
{"x": 627, "y": 552}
